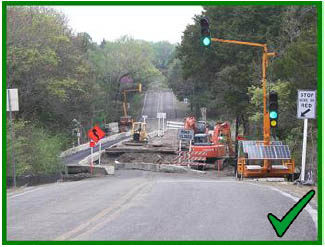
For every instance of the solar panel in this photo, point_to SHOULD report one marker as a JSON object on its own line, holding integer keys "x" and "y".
{"x": 282, "y": 152}
{"x": 248, "y": 143}
{"x": 268, "y": 152}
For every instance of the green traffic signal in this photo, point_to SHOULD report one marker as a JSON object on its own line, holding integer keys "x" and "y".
{"x": 273, "y": 109}
{"x": 273, "y": 115}
{"x": 206, "y": 41}
{"x": 205, "y": 32}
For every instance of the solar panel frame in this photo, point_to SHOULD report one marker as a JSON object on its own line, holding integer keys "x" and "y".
{"x": 270, "y": 152}
{"x": 247, "y": 143}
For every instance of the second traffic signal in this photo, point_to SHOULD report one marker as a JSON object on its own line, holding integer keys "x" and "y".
{"x": 273, "y": 109}
{"x": 205, "y": 32}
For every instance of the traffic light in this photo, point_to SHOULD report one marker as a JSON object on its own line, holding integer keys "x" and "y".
{"x": 205, "y": 32}
{"x": 273, "y": 109}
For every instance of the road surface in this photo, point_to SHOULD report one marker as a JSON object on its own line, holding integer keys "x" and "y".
{"x": 139, "y": 205}
{"x": 160, "y": 101}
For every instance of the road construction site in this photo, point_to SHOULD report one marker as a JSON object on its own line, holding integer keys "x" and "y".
{"x": 140, "y": 191}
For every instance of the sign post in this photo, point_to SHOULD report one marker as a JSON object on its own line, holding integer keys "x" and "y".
{"x": 306, "y": 108}
{"x": 161, "y": 115}
{"x": 185, "y": 135}
{"x": 158, "y": 128}
{"x": 95, "y": 134}
{"x": 12, "y": 105}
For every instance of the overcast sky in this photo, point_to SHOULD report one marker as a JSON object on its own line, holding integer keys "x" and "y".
{"x": 148, "y": 23}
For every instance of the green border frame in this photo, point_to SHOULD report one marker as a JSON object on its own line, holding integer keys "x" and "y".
{"x": 320, "y": 86}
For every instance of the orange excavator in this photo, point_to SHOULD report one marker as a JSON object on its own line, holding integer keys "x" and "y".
{"x": 190, "y": 123}
{"x": 217, "y": 145}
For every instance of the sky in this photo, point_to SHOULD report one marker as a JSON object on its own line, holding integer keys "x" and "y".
{"x": 150, "y": 23}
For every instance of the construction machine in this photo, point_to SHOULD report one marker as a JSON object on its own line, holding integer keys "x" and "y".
{"x": 190, "y": 123}
{"x": 217, "y": 144}
{"x": 138, "y": 133}
{"x": 125, "y": 122}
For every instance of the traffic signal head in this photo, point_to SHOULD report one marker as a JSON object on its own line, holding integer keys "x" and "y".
{"x": 273, "y": 109}
{"x": 205, "y": 32}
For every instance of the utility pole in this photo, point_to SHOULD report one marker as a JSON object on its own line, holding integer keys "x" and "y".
{"x": 265, "y": 58}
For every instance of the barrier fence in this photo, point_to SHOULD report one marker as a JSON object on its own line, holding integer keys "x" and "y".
{"x": 174, "y": 125}
{"x": 185, "y": 158}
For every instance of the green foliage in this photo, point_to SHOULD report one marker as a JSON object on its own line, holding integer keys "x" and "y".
{"x": 111, "y": 61}
{"x": 224, "y": 76}
{"x": 163, "y": 52}
{"x": 36, "y": 151}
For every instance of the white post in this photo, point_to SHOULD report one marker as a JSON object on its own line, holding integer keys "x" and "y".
{"x": 100, "y": 149}
{"x": 78, "y": 136}
{"x": 180, "y": 145}
{"x": 304, "y": 147}
{"x": 92, "y": 159}
{"x": 12, "y": 140}
{"x": 163, "y": 127}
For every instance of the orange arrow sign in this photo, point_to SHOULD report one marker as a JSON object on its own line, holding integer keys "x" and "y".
{"x": 96, "y": 133}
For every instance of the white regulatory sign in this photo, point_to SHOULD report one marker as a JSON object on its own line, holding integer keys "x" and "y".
{"x": 185, "y": 134}
{"x": 306, "y": 104}
{"x": 13, "y": 95}
{"x": 161, "y": 114}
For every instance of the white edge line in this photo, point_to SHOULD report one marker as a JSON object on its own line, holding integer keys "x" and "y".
{"x": 26, "y": 192}
{"x": 309, "y": 209}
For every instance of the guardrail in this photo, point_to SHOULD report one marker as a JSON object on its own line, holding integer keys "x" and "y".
{"x": 85, "y": 146}
{"x": 174, "y": 125}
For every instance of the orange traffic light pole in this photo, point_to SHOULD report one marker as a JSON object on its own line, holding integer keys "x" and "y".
{"x": 139, "y": 89}
{"x": 265, "y": 58}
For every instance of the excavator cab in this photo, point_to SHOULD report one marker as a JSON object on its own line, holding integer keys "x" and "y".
{"x": 202, "y": 140}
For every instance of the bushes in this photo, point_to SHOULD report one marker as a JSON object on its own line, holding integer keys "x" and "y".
{"x": 36, "y": 150}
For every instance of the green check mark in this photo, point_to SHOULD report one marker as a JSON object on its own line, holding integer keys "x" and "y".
{"x": 281, "y": 226}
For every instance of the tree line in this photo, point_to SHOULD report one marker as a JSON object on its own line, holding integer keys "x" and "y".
{"x": 63, "y": 75}
{"x": 226, "y": 78}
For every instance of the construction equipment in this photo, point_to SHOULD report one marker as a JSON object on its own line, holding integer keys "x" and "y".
{"x": 197, "y": 126}
{"x": 138, "y": 132}
{"x": 125, "y": 122}
{"x": 217, "y": 145}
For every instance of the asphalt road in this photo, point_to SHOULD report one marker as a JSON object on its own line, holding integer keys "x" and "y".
{"x": 161, "y": 101}
{"x": 138, "y": 205}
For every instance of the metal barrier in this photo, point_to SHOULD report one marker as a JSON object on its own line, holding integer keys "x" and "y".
{"x": 174, "y": 125}
{"x": 185, "y": 158}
